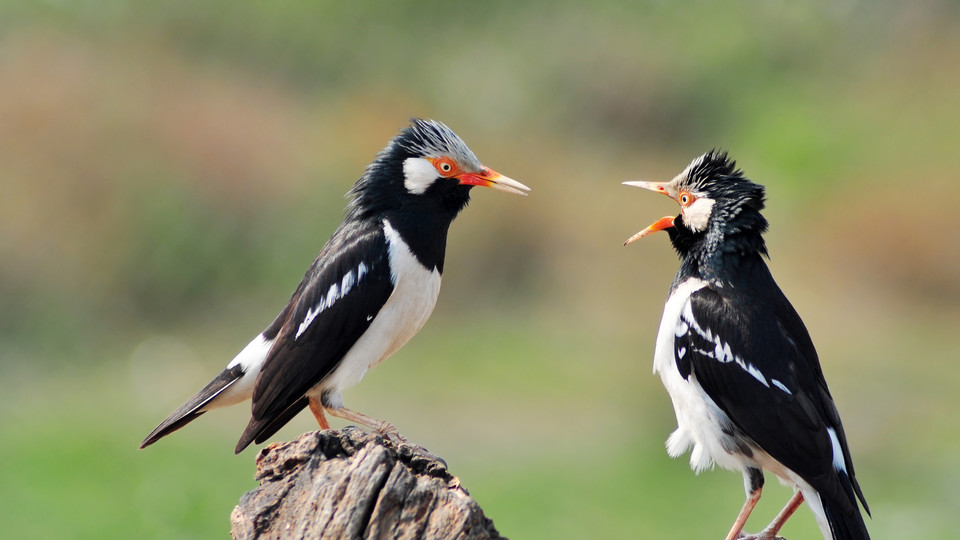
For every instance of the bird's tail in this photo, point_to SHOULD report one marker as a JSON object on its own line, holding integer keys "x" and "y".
{"x": 259, "y": 430}
{"x": 845, "y": 524}
{"x": 194, "y": 407}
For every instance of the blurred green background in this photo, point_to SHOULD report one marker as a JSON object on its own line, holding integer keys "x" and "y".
{"x": 169, "y": 169}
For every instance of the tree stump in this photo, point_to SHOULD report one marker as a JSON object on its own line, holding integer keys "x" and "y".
{"x": 353, "y": 484}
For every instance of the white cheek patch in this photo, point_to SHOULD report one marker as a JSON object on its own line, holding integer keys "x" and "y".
{"x": 418, "y": 175}
{"x": 696, "y": 216}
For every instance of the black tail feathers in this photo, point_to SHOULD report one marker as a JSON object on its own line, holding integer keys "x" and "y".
{"x": 191, "y": 410}
{"x": 260, "y": 430}
{"x": 846, "y": 524}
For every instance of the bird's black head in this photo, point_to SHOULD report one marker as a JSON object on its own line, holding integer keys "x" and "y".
{"x": 719, "y": 208}
{"x": 427, "y": 168}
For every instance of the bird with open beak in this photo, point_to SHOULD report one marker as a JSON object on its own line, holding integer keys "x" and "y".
{"x": 737, "y": 361}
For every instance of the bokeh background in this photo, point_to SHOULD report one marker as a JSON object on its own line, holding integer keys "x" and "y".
{"x": 169, "y": 169}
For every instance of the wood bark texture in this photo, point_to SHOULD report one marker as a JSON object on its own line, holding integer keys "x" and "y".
{"x": 353, "y": 484}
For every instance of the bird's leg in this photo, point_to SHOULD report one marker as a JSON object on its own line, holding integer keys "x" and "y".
{"x": 384, "y": 428}
{"x": 744, "y": 514}
{"x": 774, "y": 527}
{"x": 317, "y": 409}
{"x": 753, "y": 481}
{"x": 387, "y": 430}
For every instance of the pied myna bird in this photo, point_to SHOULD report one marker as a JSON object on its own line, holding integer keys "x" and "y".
{"x": 371, "y": 288}
{"x": 737, "y": 361}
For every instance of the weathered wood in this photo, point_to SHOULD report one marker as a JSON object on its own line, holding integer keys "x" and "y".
{"x": 354, "y": 484}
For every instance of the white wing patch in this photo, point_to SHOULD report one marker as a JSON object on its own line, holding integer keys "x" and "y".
{"x": 781, "y": 386}
{"x": 721, "y": 351}
{"x": 347, "y": 283}
{"x": 838, "y": 461}
{"x": 334, "y": 293}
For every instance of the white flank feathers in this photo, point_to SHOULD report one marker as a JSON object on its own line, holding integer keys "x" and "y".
{"x": 698, "y": 417}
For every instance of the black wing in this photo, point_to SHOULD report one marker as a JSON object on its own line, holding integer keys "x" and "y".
{"x": 756, "y": 360}
{"x": 341, "y": 293}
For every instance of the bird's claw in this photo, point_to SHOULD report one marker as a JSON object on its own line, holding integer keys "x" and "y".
{"x": 390, "y": 433}
{"x": 400, "y": 443}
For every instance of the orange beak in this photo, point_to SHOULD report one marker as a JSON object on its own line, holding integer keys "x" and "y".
{"x": 492, "y": 179}
{"x": 663, "y": 223}
{"x": 659, "y": 225}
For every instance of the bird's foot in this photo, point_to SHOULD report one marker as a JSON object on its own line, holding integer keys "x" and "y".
{"x": 389, "y": 432}
{"x": 404, "y": 446}
{"x": 392, "y": 434}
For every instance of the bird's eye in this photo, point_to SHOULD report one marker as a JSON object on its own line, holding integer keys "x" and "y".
{"x": 445, "y": 166}
{"x": 685, "y": 199}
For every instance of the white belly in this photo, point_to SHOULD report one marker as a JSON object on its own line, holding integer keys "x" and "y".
{"x": 406, "y": 311}
{"x": 698, "y": 417}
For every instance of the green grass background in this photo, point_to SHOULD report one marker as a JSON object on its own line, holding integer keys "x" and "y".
{"x": 168, "y": 170}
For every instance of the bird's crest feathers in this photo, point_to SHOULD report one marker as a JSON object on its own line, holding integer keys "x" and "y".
{"x": 382, "y": 181}
{"x": 429, "y": 138}
{"x": 717, "y": 176}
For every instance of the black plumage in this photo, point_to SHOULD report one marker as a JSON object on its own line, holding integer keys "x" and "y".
{"x": 737, "y": 360}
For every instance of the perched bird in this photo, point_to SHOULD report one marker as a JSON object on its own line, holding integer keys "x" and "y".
{"x": 737, "y": 361}
{"x": 371, "y": 288}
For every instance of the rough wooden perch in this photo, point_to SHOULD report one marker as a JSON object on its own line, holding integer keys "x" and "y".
{"x": 354, "y": 484}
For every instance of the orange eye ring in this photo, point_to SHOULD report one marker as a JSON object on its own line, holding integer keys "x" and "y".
{"x": 686, "y": 198}
{"x": 445, "y": 166}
